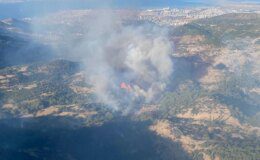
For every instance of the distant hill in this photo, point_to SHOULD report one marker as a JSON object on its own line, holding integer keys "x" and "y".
{"x": 17, "y": 46}
{"x": 209, "y": 110}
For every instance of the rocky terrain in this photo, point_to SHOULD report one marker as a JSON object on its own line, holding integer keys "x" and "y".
{"x": 209, "y": 110}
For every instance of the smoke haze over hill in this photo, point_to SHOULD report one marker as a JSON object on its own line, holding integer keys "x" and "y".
{"x": 113, "y": 53}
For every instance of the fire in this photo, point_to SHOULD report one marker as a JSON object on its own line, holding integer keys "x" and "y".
{"x": 125, "y": 86}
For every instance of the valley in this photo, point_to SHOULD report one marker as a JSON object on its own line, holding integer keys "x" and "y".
{"x": 59, "y": 100}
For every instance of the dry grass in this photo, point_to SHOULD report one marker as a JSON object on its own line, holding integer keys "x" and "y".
{"x": 30, "y": 86}
{"x": 147, "y": 109}
{"x": 70, "y": 110}
{"x": 86, "y": 114}
{"x": 82, "y": 90}
{"x": 212, "y": 77}
{"x": 47, "y": 111}
{"x": 47, "y": 94}
{"x": 191, "y": 39}
{"x": 9, "y": 106}
{"x": 4, "y": 77}
{"x": 164, "y": 129}
{"x": 255, "y": 90}
{"x": 207, "y": 109}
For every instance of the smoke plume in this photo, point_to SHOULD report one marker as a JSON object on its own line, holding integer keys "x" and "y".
{"x": 125, "y": 62}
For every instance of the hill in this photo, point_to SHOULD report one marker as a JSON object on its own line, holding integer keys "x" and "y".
{"x": 209, "y": 110}
{"x": 17, "y": 45}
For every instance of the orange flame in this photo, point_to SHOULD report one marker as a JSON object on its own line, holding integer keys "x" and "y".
{"x": 125, "y": 86}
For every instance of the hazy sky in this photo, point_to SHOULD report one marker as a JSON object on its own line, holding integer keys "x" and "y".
{"x": 28, "y": 8}
{"x": 128, "y": 1}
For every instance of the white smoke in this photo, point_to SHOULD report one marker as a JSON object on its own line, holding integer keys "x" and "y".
{"x": 113, "y": 52}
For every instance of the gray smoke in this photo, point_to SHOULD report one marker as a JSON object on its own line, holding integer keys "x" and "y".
{"x": 114, "y": 53}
